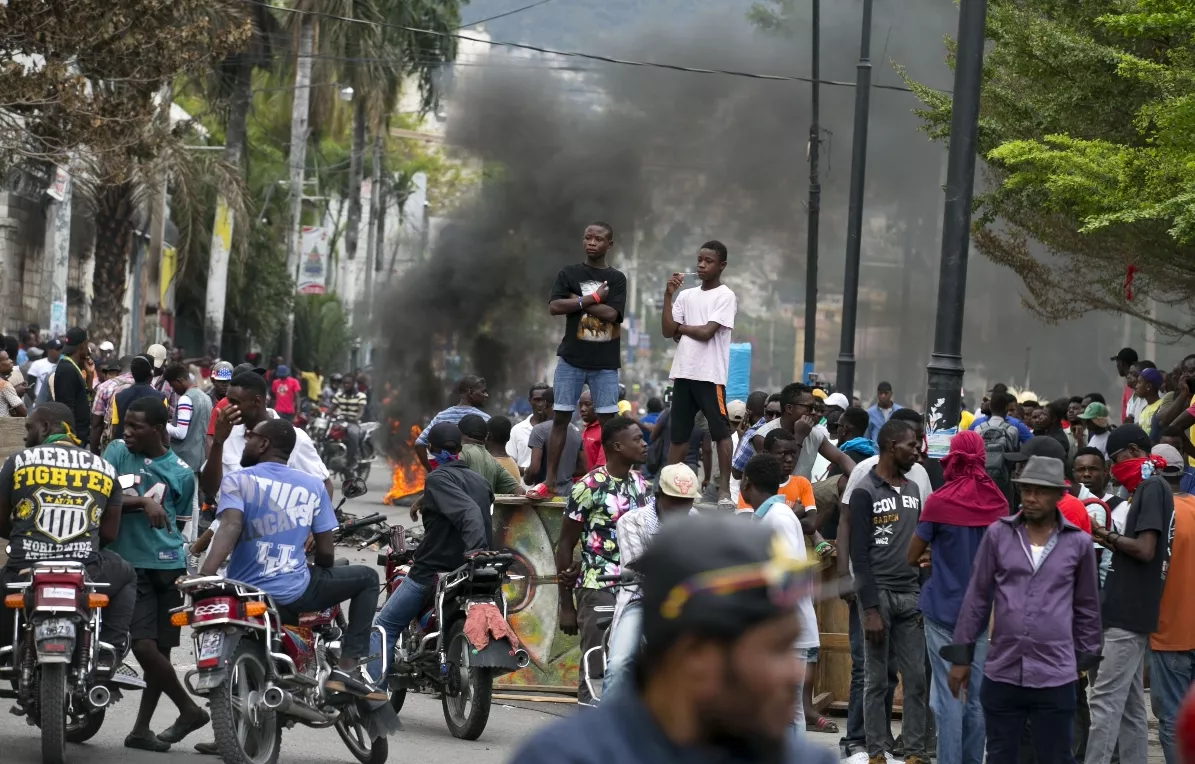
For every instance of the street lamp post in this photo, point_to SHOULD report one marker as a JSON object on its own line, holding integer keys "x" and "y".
{"x": 815, "y": 201}
{"x": 946, "y": 363}
{"x": 845, "y": 382}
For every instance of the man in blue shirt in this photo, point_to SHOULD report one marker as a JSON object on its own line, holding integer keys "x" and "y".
{"x": 879, "y": 414}
{"x": 266, "y": 512}
{"x": 718, "y": 677}
{"x": 154, "y": 511}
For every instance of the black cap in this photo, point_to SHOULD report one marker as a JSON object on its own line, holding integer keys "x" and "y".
{"x": 244, "y": 367}
{"x": 1127, "y": 356}
{"x": 75, "y": 336}
{"x": 688, "y": 547}
{"x": 1038, "y": 445}
{"x": 443, "y": 435}
{"x": 1124, "y": 436}
{"x": 52, "y": 344}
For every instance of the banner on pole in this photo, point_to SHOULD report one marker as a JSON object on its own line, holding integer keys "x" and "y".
{"x": 313, "y": 260}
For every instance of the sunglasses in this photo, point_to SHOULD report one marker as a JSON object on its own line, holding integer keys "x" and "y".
{"x": 785, "y": 578}
{"x": 769, "y": 415}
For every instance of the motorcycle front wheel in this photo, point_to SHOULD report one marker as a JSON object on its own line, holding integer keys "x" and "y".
{"x": 245, "y": 734}
{"x": 355, "y": 734}
{"x": 51, "y": 710}
{"x": 467, "y": 695}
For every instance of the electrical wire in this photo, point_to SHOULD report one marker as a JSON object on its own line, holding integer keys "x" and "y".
{"x": 503, "y": 15}
{"x": 575, "y": 54}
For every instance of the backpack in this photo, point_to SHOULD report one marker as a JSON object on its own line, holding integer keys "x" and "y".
{"x": 998, "y": 442}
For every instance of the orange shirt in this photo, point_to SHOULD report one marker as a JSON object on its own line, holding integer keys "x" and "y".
{"x": 797, "y": 493}
{"x": 1176, "y": 617}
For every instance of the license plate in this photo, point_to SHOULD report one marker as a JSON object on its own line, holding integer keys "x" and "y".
{"x": 53, "y": 628}
{"x": 58, "y": 593}
{"x": 210, "y": 645}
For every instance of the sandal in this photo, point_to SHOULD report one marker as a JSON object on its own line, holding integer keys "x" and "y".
{"x": 821, "y": 725}
{"x": 726, "y": 504}
{"x": 540, "y": 492}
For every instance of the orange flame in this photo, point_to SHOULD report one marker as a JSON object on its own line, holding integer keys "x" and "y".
{"x": 408, "y": 472}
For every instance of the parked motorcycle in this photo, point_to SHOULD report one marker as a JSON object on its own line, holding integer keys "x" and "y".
{"x": 434, "y": 655}
{"x": 64, "y": 678}
{"x": 260, "y": 675}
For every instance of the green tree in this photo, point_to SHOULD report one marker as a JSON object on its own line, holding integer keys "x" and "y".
{"x": 322, "y": 335}
{"x": 1086, "y": 126}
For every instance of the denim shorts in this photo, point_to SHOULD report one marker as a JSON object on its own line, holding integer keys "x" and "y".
{"x": 569, "y": 382}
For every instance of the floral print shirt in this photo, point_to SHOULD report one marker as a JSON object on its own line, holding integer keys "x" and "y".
{"x": 597, "y": 501}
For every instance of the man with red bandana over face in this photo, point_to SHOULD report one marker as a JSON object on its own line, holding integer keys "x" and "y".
{"x": 1132, "y": 595}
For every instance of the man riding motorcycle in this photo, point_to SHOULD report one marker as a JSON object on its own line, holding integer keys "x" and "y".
{"x": 59, "y": 501}
{"x": 265, "y": 513}
{"x": 456, "y": 521}
{"x": 348, "y": 404}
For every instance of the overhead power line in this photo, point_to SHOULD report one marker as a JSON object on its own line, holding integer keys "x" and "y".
{"x": 504, "y": 15}
{"x": 575, "y": 54}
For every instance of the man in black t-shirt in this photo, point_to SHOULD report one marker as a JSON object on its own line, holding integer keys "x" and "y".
{"x": 70, "y": 388}
{"x": 592, "y": 296}
{"x": 143, "y": 373}
{"x": 1132, "y": 595}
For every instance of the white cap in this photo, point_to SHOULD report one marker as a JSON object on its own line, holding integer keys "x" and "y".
{"x": 158, "y": 354}
{"x": 838, "y": 400}
{"x": 736, "y": 410}
{"x": 107, "y": 346}
{"x": 679, "y": 481}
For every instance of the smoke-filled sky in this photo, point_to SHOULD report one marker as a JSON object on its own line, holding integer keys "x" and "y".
{"x": 685, "y": 157}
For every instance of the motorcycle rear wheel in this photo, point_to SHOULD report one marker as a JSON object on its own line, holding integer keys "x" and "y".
{"x": 467, "y": 709}
{"x": 51, "y": 710}
{"x": 80, "y": 729}
{"x": 238, "y": 739}
{"x": 355, "y": 734}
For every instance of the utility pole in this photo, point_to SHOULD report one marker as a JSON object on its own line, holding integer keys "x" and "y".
{"x": 58, "y": 247}
{"x": 298, "y": 164}
{"x": 845, "y": 382}
{"x": 946, "y": 364}
{"x": 815, "y": 202}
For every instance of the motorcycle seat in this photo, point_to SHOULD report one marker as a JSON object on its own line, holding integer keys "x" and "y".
{"x": 485, "y": 574}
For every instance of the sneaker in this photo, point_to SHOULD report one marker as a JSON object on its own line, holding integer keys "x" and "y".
{"x": 353, "y": 683}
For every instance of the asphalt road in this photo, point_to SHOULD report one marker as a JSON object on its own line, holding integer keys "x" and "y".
{"x": 424, "y": 736}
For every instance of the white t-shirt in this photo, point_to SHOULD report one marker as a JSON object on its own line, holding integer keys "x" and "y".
{"x": 1099, "y": 440}
{"x": 516, "y": 447}
{"x": 809, "y": 449}
{"x": 918, "y": 475}
{"x": 1134, "y": 407}
{"x": 303, "y": 458}
{"x": 704, "y": 361}
{"x": 784, "y": 523}
{"x": 38, "y": 371}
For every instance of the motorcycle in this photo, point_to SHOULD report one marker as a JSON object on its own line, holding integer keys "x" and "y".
{"x": 64, "y": 677}
{"x": 260, "y": 675}
{"x": 605, "y": 621}
{"x": 435, "y": 655}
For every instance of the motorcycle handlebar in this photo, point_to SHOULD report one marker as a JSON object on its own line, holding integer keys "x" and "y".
{"x": 625, "y": 577}
{"x": 489, "y": 559}
{"x": 362, "y": 523}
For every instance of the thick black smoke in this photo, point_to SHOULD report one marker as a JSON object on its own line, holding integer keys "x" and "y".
{"x": 679, "y": 158}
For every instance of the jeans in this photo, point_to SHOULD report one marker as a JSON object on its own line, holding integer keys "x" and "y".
{"x": 1050, "y": 711}
{"x": 855, "y": 736}
{"x": 569, "y": 381}
{"x": 621, "y": 650}
{"x": 903, "y": 639}
{"x": 331, "y": 586}
{"x": 1118, "y": 700}
{"x": 960, "y": 724}
{"x": 591, "y": 636}
{"x": 352, "y": 442}
{"x": 1171, "y": 675}
{"x": 403, "y": 606}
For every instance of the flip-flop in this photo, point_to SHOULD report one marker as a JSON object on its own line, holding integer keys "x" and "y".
{"x": 177, "y": 731}
{"x": 540, "y": 492}
{"x": 726, "y": 504}
{"x": 821, "y": 725}
{"x": 207, "y": 749}
{"x": 152, "y": 743}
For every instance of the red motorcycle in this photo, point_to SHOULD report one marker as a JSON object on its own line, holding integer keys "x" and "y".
{"x": 260, "y": 675}
{"x": 64, "y": 677}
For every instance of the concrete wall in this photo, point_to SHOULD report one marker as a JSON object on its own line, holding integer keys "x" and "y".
{"x": 22, "y": 235}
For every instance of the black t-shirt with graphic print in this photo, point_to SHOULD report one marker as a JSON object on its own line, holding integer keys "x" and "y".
{"x": 589, "y": 342}
{"x": 57, "y": 494}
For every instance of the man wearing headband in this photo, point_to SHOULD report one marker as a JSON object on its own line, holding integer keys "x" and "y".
{"x": 718, "y": 677}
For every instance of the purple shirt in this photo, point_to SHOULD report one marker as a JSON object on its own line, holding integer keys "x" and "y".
{"x": 1043, "y": 616}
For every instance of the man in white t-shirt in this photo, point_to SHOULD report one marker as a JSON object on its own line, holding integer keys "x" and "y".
{"x": 700, "y": 320}
{"x": 517, "y": 447}
{"x": 42, "y": 367}
{"x": 796, "y": 416}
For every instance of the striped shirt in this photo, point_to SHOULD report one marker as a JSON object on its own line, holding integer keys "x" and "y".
{"x": 349, "y": 406}
{"x": 746, "y": 448}
{"x": 451, "y": 414}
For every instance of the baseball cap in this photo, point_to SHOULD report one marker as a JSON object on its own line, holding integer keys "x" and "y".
{"x": 1038, "y": 445}
{"x": 52, "y": 344}
{"x": 1095, "y": 410}
{"x": 157, "y": 353}
{"x": 819, "y": 393}
{"x": 838, "y": 400}
{"x": 680, "y": 481}
{"x": 624, "y": 408}
{"x": 736, "y": 410}
{"x": 282, "y": 371}
{"x": 107, "y": 346}
{"x": 244, "y": 367}
{"x": 443, "y": 435}
{"x": 1127, "y": 356}
{"x": 1175, "y": 464}
{"x": 1123, "y": 437}
{"x": 75, "y": 336}
{"x": 716, "y": 576}
{"x": 1152, "y": 376}
{"x": 222, "y": 371}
